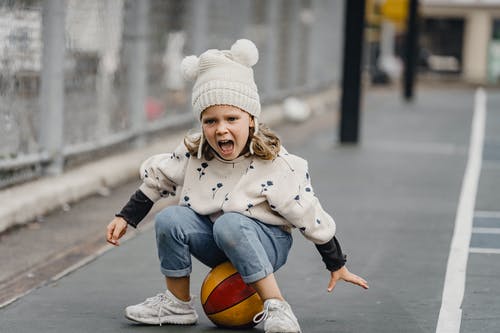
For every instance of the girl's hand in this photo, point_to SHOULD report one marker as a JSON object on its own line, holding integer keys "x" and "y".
{"x": 344, "y": 274}
{"x": 115, "y": 230}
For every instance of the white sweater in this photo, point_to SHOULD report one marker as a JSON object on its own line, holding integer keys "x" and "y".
{"x": 276, "y": 192}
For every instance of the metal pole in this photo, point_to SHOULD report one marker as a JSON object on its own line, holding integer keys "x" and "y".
{"x": 137, "y": 40}
{"x": 199, "y": 25}
{"x": 109, "y": 46}
{"x": 294, "y": 45}
{"x": 314, "y": 39}
{"x": 411, "y": 50}
{"x": 271, "y": 59}
{"x": 52, "y": 84}
{"x": 351, "y": 73}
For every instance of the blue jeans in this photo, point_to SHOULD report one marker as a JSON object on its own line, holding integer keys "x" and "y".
{"x": 254, "y": 248}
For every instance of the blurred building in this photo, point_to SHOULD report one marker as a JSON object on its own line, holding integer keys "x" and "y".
{"x": 463, "y": 37}
{"x": 458, "y": 39}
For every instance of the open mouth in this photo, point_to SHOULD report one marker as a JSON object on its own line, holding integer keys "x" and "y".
{"x": 226, "y": 146}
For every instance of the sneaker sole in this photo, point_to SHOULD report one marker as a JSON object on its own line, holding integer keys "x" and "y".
{"x": 173, "y": 320}
{"x": 277, "y": 329}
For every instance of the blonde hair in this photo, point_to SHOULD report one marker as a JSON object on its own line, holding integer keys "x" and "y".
{"x": 265, "y": 144}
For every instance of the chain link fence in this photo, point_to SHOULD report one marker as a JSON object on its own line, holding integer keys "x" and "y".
{"x": 111, "y": 77}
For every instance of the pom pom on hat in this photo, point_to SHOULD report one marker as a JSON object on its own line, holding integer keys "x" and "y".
{"x": 245, "y": 52}
{"x": 190, "y": 67}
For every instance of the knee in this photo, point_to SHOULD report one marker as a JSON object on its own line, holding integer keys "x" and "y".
{"x": 169, "y": 219}
{"x": 228, "y": 229}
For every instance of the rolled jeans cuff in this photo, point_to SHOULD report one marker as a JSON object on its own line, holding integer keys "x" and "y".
{"x": 258, "y": 276}
{"x": 176, "y": 273}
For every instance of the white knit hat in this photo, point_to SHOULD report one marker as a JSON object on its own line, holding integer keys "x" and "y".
{"x": 224, "y": 77}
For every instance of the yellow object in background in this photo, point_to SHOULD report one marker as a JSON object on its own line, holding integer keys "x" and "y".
{"x": 395, "y": 10}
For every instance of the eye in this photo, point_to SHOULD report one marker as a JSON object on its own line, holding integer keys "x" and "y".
{"x": 232, "y": 118}
{"x": 209, "y": 121}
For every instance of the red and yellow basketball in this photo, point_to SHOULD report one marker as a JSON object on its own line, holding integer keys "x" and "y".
{"x": 227, "y": 300}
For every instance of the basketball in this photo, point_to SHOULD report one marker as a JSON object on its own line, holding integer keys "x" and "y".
{"x": 227, "y": 300}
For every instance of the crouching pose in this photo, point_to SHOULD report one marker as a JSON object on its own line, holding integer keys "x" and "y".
{"x": 241, "y": 194}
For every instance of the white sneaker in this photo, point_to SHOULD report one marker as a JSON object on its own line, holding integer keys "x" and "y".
{"x": 163, "y": 309}
{"x": 279, "y": 317}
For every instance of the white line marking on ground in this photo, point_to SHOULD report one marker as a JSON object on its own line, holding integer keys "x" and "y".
{"x": 450, "y": 314}
{"x": 484, "y": 250}
{"x": 486, "y": 230}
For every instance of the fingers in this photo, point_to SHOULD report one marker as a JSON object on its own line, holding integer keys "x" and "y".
{"x": 115, "y": 231}
{"x": 353, "y": 278}
{"x": 331, "y": 285}
{"x": 344, "y": 274}
{"x": 363, "y": 283}
{"x": 360, "y": 282}
{"x": 117, "y": 234}
{"x": 109, "y": 234}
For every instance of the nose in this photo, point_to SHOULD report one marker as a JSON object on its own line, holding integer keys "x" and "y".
{"x": 221, "y": 128}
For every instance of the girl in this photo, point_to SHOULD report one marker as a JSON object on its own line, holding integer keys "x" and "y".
{"x": 241, "y": 195}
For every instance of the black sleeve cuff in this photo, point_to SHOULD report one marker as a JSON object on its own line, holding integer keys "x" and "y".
{"x": 136, "y": 208}
{"x": 332, "y": 254}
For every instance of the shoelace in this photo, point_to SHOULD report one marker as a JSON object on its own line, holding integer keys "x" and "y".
{"x": 267, "y": 313}
{"x": 160, "y": 300}
{"x": 261, "y": 316}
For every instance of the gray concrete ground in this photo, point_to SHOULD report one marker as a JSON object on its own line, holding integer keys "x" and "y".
{"x": 394, "y": 198}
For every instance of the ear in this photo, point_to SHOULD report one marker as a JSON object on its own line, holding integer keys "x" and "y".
{"x": 252, "y": 121}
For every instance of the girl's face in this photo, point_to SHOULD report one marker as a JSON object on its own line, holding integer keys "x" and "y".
{"x": 226, "y": 129}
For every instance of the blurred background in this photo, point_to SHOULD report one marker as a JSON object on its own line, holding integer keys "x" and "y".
{"x": 79, "y": 78}
{"x": 89, "y": 89}
{"x": 82, "y": 79}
